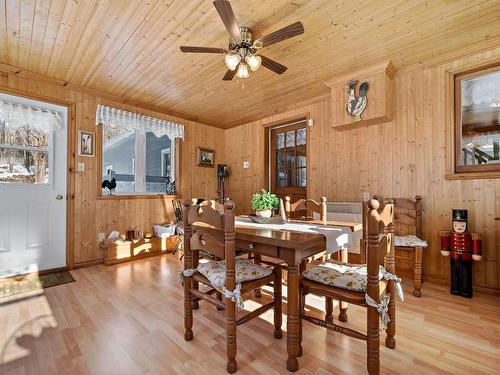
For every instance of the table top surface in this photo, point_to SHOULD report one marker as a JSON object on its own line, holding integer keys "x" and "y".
{"x": 289, "y": 238}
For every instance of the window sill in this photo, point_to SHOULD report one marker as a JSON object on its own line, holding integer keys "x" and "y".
{"x": 137, "y": 196}
{"x": 472, "y": 175}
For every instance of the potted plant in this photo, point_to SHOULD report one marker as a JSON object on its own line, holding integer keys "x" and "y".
{"x": 264, "y": 203}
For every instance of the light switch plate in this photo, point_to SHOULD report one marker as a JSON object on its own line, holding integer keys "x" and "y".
{"x": 101, "y": 236}
{"x": 366, "y": 196}
{"x": 80, "y": 168}
{"x": 246, "y": 164}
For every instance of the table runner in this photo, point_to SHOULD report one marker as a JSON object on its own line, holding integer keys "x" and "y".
{"x": 337, "y": 238}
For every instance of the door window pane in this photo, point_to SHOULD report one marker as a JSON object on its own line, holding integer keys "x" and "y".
{"x": 282, "y": 178}
{"x": 290, "y": 159}
{"x": 302, "y": 177}
{"x": 301, "y": 137}
{"x": 290, "y": 138}
{"x": 24, "y": 166}
{"x": 24, "y": 155}
{"x": 280, "y": 141}
{"x": 480, "y": 119}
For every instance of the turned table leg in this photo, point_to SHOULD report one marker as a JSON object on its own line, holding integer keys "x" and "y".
{"x": 293, "y": 317}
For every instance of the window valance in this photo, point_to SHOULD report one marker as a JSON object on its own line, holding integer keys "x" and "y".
{"x": 116, "y": 118}
{"x": 16, "y": 116}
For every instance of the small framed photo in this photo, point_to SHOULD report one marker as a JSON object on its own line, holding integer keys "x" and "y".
{"x": 205, "y": 157}
{"x": 86, "y": 143}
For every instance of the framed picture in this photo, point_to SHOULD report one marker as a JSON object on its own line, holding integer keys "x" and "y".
{"x": 86, "y": 143}
{"x": 205, "y": 157}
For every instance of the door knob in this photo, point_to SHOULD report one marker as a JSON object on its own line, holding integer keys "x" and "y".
{"x": 59, "y": 197}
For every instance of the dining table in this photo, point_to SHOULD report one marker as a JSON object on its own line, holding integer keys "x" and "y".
{"x": 291, "y": 247}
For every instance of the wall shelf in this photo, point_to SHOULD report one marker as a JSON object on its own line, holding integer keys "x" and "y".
{"x": 379, "y": 108}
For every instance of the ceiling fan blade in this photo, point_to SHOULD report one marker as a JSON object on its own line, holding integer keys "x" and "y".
{"x": 226, "y": 13}
{"x": 229, "y": 75}
{"x": 282, "y": 34}
{"x": 270, "y": 64}
{"x": 189, "y": 49}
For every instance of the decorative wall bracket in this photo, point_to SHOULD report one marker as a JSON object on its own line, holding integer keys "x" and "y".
{"x": 347, "y": 107}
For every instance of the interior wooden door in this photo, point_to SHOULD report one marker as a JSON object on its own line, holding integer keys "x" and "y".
{"x": 288, "y": 160}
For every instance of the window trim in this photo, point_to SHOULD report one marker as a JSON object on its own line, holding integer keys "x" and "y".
{"x": 99, "y": 153}
{"x": 460, "y": 170}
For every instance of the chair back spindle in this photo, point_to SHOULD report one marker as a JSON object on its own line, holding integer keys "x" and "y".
{"x": 310, "y": 206}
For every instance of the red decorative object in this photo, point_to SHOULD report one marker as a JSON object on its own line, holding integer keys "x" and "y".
{"x": 462, "y": 248}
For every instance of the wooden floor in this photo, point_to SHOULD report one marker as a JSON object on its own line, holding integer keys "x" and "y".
{"x": 127, "y": 319}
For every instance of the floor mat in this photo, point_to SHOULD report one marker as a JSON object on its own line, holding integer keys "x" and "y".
{"x": 27, "y": 283}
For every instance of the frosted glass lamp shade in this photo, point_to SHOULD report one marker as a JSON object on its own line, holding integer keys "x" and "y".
{"x": 242, "y": 71}
{"x": 254, "y": 62}
{"x": 232, "y": 60}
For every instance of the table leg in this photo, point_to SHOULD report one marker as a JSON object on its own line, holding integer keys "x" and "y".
{"x": 293, "y": 317}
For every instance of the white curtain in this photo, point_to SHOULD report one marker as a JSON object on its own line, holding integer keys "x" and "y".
{"x": 116, "y": 118}
{"x": 16, "y": 116}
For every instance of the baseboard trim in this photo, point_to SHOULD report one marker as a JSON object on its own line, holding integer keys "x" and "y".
{"x": 87, "y": 263}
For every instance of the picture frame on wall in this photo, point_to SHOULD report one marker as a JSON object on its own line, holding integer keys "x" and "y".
{"x": 205, "y": 157}
{"x": 86, "y": 143}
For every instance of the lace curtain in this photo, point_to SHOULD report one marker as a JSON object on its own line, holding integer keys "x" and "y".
{"x": 116, "y": 118}
{"x": 16, "y": 116}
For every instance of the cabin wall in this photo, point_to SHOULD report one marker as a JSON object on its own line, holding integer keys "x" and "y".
{"x": 95, "y": 214}
{"x": 405, "y": 157}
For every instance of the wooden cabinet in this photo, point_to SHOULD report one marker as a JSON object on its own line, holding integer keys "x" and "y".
{"x": 119, "y": 251}
{"x": 379, "y": 107}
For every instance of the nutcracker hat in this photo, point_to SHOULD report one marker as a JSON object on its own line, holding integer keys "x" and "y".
{"x": 459, "y": 215}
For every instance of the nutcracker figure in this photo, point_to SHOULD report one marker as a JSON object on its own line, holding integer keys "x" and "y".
{"x": 462, "y": 248}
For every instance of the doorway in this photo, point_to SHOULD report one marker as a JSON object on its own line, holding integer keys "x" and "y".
{"x": 287, "y": 168}
{"x": 33, "y": 185}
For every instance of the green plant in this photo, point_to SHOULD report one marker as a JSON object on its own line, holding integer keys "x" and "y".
{"x": 264, "y": 201}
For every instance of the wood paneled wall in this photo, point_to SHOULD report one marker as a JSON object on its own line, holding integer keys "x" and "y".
{"x": 405, "y": 157}
{"x": 93, "y": 215}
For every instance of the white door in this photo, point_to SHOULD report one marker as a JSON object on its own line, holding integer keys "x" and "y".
{"x": 33, "y": 164}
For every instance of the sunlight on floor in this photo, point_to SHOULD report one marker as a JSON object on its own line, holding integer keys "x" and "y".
{"x": 21, "y": 325}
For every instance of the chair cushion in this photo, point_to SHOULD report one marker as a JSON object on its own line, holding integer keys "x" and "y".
{"x": 341, "y": 275}
{"x": 409, "y": 241}
{"x": 215, "y": 271}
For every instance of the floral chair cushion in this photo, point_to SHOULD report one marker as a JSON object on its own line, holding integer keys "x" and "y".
{"x": 341, "y": 275}
{"x": 245, "y": 271}
{"x": 409, "y": 241}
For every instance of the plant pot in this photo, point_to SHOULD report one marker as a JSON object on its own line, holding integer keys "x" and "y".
{"x": 264, "y": 213}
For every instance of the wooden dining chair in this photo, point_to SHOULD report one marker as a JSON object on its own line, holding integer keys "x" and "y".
{"x": 408, "y": 238}
{"x": 365, "y": 285}
{"x": 308, "y": 207}
{"x": 207, "y": 230}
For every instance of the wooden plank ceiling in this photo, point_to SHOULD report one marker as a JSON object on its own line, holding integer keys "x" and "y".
{"x": 130, "y": 48}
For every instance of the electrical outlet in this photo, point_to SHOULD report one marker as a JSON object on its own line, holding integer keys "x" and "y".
{"x": 101, "y": 236}
{"x": 366, "y": 196}
{"x": 246, "y": 164}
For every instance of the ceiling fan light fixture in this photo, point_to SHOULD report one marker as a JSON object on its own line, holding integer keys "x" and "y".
{"x": 232, "y": 60}
{"x": 254, "y": 62}
{"x": 242, "y": 71}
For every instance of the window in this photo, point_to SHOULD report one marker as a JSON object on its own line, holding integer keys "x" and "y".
{"x": 140, "y": 160}
{"x": 477, "y": 121}
{"x": 26, "y": 142}
{"x": 138, "y": 151}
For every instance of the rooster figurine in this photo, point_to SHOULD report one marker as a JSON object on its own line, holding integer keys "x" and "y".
{"x": 109, "y": 184}
{"x": 356, "y": 106}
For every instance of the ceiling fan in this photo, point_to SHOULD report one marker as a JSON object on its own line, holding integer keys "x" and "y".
{"x": 242, "y": 51}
